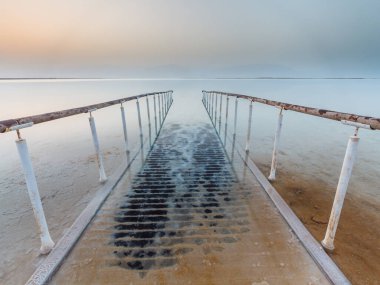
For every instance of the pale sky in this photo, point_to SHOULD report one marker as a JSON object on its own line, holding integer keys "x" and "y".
{"x": 197, "y": 33}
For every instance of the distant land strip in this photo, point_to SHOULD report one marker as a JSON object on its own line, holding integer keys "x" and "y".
{"x": 190, "y": 78}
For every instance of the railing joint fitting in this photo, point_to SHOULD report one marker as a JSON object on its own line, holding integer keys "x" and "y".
{"x": 91, "y": 110}
{"x": 356, "y": 125}
{"x": 19, "y": 127}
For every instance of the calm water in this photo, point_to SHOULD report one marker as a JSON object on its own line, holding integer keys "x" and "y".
{"x": 312, "y": 145}
{"x": 312, "y": 149}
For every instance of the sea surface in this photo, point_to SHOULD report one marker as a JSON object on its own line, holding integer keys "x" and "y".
{"x": 62, "y": 153}
{"x": 313, "y": 145}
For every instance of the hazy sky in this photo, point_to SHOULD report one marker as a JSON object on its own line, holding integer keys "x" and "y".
{"x": 198, "y": 33}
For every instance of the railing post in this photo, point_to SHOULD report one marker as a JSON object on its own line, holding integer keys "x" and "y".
{"x": 225, "y": 124}
{"x": 247, "y": 143}
{"x": 159, "y": 110}
{"x": 149, "y": 125}
{"x": 47, "y": 243}
{"x": 211, "y": 104}
{"x": 234, "y": 134}
{"x": 167, "y": 101}
{"x": 140, "y": 128}
{"x": 125, "y": 132}
{"x": 272, "y": 175}
{"x": 163, "y": 105}
{"x": 207, "y": 100}
{"x": 163, "y": 109}
{"x": 102, "y": 173}
{"x": 216, "y": 110}
{"x": 155, "y": 114}
{"x": 345, "y": 175}
{"x": 220, "y": 113}
{"x": 212, "y": 107}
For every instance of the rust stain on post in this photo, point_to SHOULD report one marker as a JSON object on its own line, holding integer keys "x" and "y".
{"x": 374, "y": 123}
{"x": 37, "y": 119}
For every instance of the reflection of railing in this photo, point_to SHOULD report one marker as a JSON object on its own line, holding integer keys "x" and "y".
{"x": 164, "y": 103}
{"x": 210, "y": 101}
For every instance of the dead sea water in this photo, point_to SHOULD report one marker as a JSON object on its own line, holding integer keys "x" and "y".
{"x": 311, "y": 154}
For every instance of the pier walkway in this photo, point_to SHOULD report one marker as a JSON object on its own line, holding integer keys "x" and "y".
{"x": 187, "y": 218}
{"x": 195, "y": 210}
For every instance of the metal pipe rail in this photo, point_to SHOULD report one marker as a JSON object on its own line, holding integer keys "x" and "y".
{"x": 357, "y": 121}
{"x": 166, "y": 100}
{"x": 374, "y": 123}
{"x": 6, "y": 125}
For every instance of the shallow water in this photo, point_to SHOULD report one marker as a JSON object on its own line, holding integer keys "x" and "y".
{"x": 314, "y": 145}
{"x": 63, "y": 157}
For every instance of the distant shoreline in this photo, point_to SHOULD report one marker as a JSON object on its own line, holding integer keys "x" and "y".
{"x": 190, "y": 78}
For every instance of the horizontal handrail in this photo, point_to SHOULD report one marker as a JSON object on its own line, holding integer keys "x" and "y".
{"x": 5, "y": 125}
{"x": 215, "y": 104}
{"x": 374, "y": 123}
{"x": 164, "y": 100}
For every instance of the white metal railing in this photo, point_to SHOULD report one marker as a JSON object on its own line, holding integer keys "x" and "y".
{"x": 210, "y": 99}
{"x": 165, "y": 100}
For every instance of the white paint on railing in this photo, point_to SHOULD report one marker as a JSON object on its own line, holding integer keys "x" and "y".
{"x": 159, "y": 111}
{"x": 346, "y": 171}
{"x": 322, "y": 259}
{"x": 47, "y": 243}
{"x": 220, "y": 113}
{"x": 19, "y": 127}
{"x": 234, "y": 134}
{"x": 226, "y": 123}
{"x": 272, "y": 175}
{"x": 140, "y": 128}
{"x": 248, "y": 141}
{"x": 163, "y": 109}
{"x": 208, "y": 102}
{"x": 356, "y": 124}
{"x": 102, "y": 173}
{"x": 216, "y": 109}
{"x": 212, "y": 107}
{"x": 155, "y": 114}
{"x": 149, "y": 124}
{"x": 125, "y": 132}
{"x": 345, "y": 175}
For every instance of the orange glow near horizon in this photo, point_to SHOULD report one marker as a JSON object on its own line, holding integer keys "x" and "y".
{"x": 186, "y": 32}
{"x": 72, "y": 30}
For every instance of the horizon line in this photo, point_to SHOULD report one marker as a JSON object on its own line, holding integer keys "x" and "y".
{"x": 3, "y": 79}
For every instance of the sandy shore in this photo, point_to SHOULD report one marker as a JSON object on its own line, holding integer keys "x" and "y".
{"x": 357, "y": 243}
{"x": 19, "y": 238}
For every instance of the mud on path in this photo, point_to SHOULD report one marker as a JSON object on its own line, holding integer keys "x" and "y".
{"x": 188, "y": 218}
{"x": 357, "y": 241}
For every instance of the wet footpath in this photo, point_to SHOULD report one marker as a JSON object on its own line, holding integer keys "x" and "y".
{"x": 188, "y": 217}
